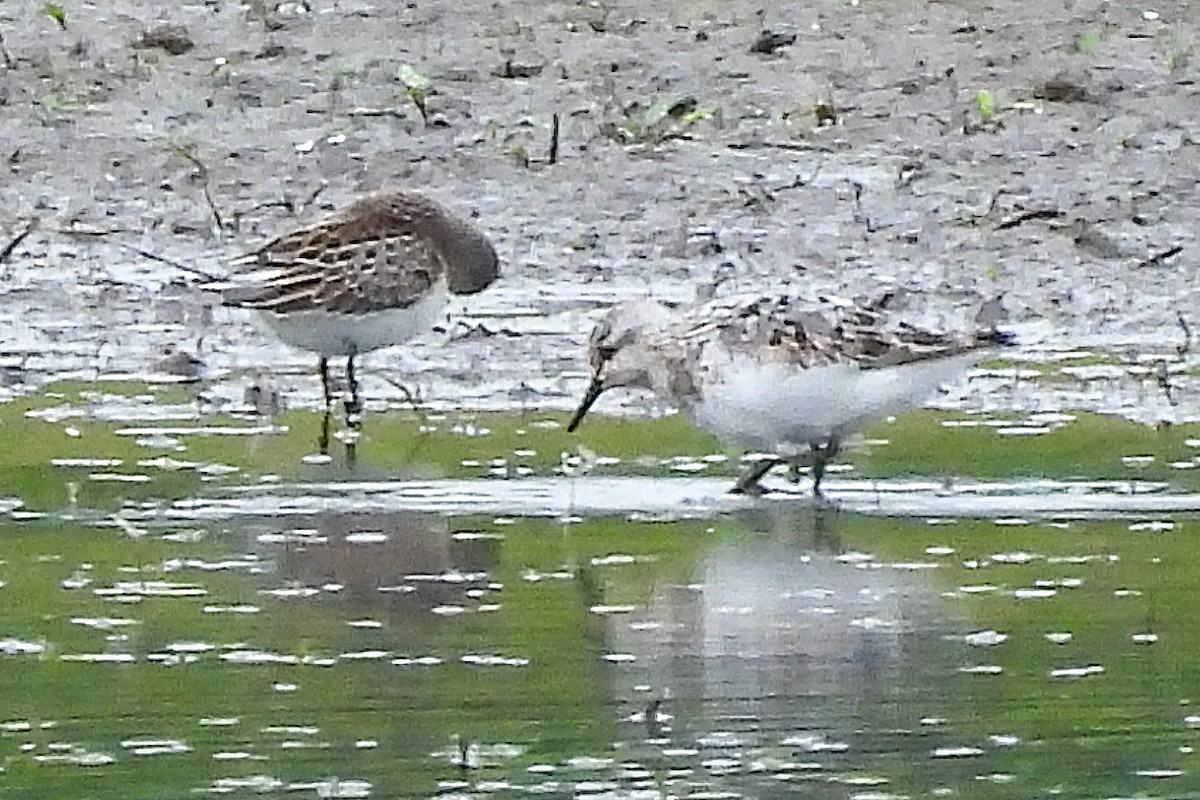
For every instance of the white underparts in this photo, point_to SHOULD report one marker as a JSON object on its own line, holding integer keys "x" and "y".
{"x": 782, "y": 408}
{"x": 344, "y": 334}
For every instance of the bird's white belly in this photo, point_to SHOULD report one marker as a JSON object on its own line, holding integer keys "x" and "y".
{"x": 781, "y": 408}
{"x": 341, "y": 334}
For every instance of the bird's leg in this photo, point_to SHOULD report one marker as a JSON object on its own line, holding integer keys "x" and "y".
{"x": 353, "y": 414}
{"x": 354, "y": 404}
{"x": 748, "y": 482}
{"x": 323, "y": 438}
{"x": 822, "y": 453}
{"x": 323, "y": 369}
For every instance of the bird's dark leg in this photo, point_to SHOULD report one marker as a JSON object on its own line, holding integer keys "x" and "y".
{"x": 748, "y": 482}
{"x": 354, "y": 404}
{"x": 353, "y": 413}
{"x": 323, "y": 370}
{"x": 323, "y": 438}
{"x": 822, "y": 453}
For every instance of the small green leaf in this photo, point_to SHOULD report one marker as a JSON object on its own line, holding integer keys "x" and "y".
{"x": 986, "y": 104}
{"x": 414, "y": 81}
{"x": 56, "y": 13}
{"x": 1088, "y": 41}
{"x": 416, "y": 86}
{"x": 657, "y": 113}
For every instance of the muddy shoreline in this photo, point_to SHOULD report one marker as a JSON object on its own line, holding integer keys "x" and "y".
{"x": 965, "y": 150}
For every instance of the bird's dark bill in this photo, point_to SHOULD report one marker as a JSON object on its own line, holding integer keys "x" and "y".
{"x": 594, "y": 390}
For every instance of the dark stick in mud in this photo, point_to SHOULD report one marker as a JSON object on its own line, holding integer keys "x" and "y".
{"x": 199, "y": 273}
{"x": 1158, "y": 258}
{"x": 1026, "y": 216}
{"x": 100, "y": 234}
{"x": 554, "y": 139}
{"x": 202, "y": 168}
{"x": 16, "y": 240}
{"x": 8, "y": 59}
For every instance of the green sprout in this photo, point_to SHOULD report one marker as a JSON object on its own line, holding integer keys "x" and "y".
{"x": 520, "y": 154}
{"x": 1178, "y": 55}
{"x": 695, "y": 115}
{"x": 664, "y": 119}
{"x": 59, "y": 104}
{"x": 1087, "y": 41}
{"x": 56, "y": 13}
{"x": 825, "y": 113}
{"x": 985, "y": 103}
{"x": 416, "y": 86}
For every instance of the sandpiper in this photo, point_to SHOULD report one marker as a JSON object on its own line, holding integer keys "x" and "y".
{"x": 789, "y": 377}
{"x": 376, "y": 274}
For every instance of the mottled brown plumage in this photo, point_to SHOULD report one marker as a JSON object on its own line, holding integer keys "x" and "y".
{"x": 382, "y": 252}
{"x": 373, "y": 275}
{"x": 822, "y": 332}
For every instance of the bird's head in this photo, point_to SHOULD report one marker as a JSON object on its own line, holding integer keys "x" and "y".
{"x": 620, "y": 351}
{"x": 471, "y": 261}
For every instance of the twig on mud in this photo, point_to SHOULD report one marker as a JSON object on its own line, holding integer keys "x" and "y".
{"x": 1162, "y": 370}
{"x": 1158, "y": 258}
{"x": 554, "y": 123}
{"x": 294, "y": 207}
{"x": 312, "y": 198}
{"x": 1186, "y": 347}
{"x": 859, "y": 214}
{"x": 99, "y": 234}
{"x": 202, "y": 168}
{"x": 95, "y": 233}
{"x": 16, "y": 240}
{"x": 8, "y": 59}
{"x": 799, "y": 182}
{"x": 377, "y": 112}
{"x": 1026, "y": 216}
{"x": 212, "y": 207}
{"x": 803, "y": 147}
{"x": 1163, "y": 375}
{"x": 199, "y": 273}
{"x": 412, "y": 399}
{"x": 409, "y": 397}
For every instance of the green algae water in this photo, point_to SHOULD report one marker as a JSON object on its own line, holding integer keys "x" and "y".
{"x": 482, "y": 605}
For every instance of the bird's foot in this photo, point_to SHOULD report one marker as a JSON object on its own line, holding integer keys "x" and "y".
{"x": 823, "y": 501}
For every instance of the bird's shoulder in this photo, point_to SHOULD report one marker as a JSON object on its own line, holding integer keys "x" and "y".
{"x": 819, "y": 330}
{"x": 352, "y": 261}
{"x": 361, "y": 227}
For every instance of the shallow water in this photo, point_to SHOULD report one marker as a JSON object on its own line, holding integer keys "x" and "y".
{"x": 196, "y": 605}
{"x": 769, "y": 650}
{"x": 463, "y": 600}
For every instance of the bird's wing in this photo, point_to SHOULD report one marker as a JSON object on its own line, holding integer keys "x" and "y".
{"x": 340, "y": 266}
{"x": 825, "y": 331}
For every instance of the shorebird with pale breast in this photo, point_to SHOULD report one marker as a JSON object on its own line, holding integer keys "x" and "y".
{"x": 786, "y": 376}
{"x": 378, "y": 273}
